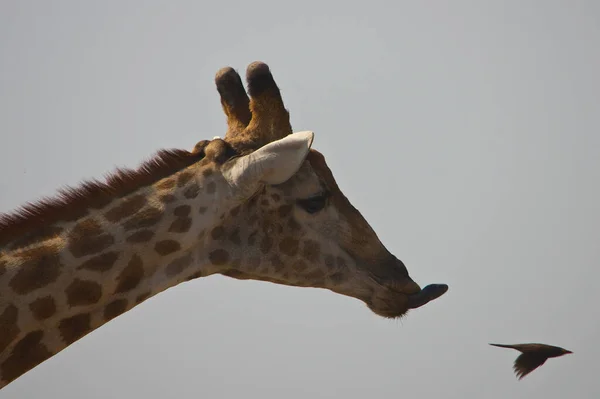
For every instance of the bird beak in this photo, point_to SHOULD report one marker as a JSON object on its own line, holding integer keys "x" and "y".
{"x": 567, "y": 352}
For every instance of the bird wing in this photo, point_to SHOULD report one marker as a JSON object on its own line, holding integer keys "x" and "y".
{"x": 527, "y": 362}
{"x": 521, "y": 347}
{"x": 504, "y": 346}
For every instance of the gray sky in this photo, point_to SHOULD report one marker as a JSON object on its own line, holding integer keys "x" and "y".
{"x": 466, "y": 132}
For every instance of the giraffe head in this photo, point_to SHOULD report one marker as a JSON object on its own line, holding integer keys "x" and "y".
{"x": 290, "y": 223}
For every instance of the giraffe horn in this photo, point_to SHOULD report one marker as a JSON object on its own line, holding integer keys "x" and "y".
{"x": 234, "y": 100}
{"x": 270, "y": 120}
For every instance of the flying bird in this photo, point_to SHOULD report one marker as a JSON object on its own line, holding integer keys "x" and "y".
{"x": 532, "y": 356}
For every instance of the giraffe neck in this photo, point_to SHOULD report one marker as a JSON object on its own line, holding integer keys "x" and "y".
{"x": 56, "y": 290}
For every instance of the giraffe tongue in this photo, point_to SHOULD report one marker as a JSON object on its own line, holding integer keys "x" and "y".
{"x": 427, "y": 294}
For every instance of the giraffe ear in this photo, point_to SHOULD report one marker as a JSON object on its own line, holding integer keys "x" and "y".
{"x": 272, "y": 164}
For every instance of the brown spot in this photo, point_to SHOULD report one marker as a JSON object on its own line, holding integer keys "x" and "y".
{"x": 252, "y": 237}
{"x": 180, "y": 225}
{"x": 90, "y": 245}
{"x": 202, "y": 209}
{"x": 143, "y": 219}
{"x": 251, "y": 204}
{"x": 289, "y": 246}
{"x": 40, "y": 269}
{"x": 88, "y": 238}
{"x": 329, "y": 261}
{"x": 87, "y": 227}
{"x": 74, "y": 327}
{"x": 131, "y": 276}
{"x": 268, "y": 227}
{"x": 337, "y": 278}
{"x": 316, "y": 275}
{"x": 166, "y": 247}
{"x": 341, "y": 263}
{"x": 265, "y": 244}
{"x": 178, "y": 265}
{"x": 192, "y": 191}
{"x": 126, "y": 208}
{"x": 182, "y": 211}
{"x": 183, "y": 178}
{"x": 165, "y": 184}
{"x": 42, "y": 308}
{"x": 39, "y": 235}
{"x": 299, "y": 266}
{"x": 253, "y": 263}
{"x": 284, "y": 211}
{"x": 252, "y": 220}
{"x": 142, "y": 297}
{"x": 211, "y": 187}
{"x": 8, "y": 326}
{"x": 207, "y": 172}
{"x": 27, "y": 353}
{"x": 319, "y": 283}
{"x": 311, "y": 250}
{"x": 140, "y": 236}
{"x": 217, "y": 233}
{"x": 114, "y": 309}
{"x": 218, "y": 257}
{"x": 234, "y": 212}
{"x": 277, "y": 263}
{"x": 81, "y": 292}
{"x": 2, "y": 268}
{"x": 194, "y": 276}
{"x": 276, "y": 197}
{"x": 100, "y": 263}
{"x": 167, "y": 198}
{"x": 264, "y": 202}
{"x": 292, "y": 224}
{"x": 235, "y": 274}
{"x": 234, "y": 237}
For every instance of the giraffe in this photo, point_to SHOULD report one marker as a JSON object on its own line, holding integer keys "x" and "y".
{"x": 258, "y": 204}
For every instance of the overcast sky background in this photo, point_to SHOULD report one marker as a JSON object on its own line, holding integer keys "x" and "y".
{"x": 466, "y": 132}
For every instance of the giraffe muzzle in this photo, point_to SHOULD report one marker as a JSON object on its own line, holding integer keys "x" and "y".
{"x": 427, "y": 294}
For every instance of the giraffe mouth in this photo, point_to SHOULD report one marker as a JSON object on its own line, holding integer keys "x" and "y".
{"x": 393, "y": 275}
{"x": 426, "y": 295}
{"x": 394, "y": 303}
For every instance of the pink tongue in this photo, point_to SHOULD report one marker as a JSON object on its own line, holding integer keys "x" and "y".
{"x": 427, "y": 294}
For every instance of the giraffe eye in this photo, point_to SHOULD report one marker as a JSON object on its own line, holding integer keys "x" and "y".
{"x": 315, "y": 203}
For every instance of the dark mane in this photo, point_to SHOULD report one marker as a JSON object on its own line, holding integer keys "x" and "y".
{"x": 72, "y": 202}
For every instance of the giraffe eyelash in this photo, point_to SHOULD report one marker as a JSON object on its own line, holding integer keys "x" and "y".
{"x": 314, "y": 203}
